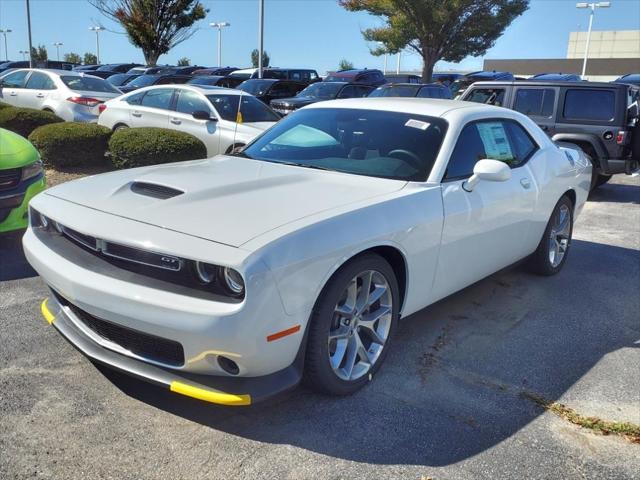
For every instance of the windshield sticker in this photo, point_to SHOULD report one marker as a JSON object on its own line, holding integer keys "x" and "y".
{"x": 494, "y": 138}
{"x": 419, "y": 124}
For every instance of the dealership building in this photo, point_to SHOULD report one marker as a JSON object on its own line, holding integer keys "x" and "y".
{"x": 611, "y": 54}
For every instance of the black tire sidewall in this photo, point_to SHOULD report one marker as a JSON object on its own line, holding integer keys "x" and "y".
{"x": 542, "y": 264}
{"x": 318, "y": 372}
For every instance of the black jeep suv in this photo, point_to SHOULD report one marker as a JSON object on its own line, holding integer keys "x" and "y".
{"x": 600, "y": 118}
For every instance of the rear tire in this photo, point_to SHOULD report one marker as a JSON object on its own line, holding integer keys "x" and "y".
{"x": 346, "y": 346}
{"x": 552, "y": 251}
{"x": 120, "y": 126}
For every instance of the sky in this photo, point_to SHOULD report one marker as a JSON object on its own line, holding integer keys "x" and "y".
{"x": 298, "y": 33}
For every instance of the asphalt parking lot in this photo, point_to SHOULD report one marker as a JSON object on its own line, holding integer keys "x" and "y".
{"x": 450, "y": 403}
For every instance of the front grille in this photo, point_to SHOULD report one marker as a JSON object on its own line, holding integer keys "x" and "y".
{"x": 9, "y": 178}
{"x": 86, "y": 240}
{"x": 161, "y": 350}
{"x": 154, "y": 190}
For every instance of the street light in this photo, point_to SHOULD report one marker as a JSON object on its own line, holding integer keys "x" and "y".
{"x": 593, "y": 7}
{"x": 260, "y": 35}
{"x": 384, "y": 68}
{"x": 4, "y": 32}
{"x": 24, "y": 54}
{"x": 219, "y": 26}
{"x": 58, "y": 45}
{"x": 97, "y": 30}
{"x": 398, "y": 64}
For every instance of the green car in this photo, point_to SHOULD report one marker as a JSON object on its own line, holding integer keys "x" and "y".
{"x": 21, "y": 177}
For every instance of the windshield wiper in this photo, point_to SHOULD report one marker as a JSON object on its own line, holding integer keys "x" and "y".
{"x": 306, "y": 165}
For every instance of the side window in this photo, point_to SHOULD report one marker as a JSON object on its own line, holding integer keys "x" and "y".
{"x": 189, "y": 102}
{"x": 158, "y": 98}
{"x": 313, "y": 75}
{"x": 16, "y": 79}
{"x": 40, "y": 81}
{"x": 523, "y": 145}
{"x": 490, "y": 96}
{"x": 348, "y": 91}
{"x": 135, "y": 99}
{"x": 364, "y": 91}
{"x": 586, "y": 104}
{"x": 468, "y": 150}
{"x": 537, "y": 102}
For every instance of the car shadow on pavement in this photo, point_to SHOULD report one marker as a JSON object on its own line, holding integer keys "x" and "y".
{"x": 452, "y": 384}
{"x": 629, "y": 192}
{"x": 13, "y": 264}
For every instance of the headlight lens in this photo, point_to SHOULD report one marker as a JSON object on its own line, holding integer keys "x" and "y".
{"x": 32, "y": 170}
{"x": 233, "y": 281}
{"x": 206, "y": 273}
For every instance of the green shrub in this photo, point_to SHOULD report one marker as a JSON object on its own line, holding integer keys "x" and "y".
{"x": 4, "y": 105}
{"x": 23, "y": 121}
{"x": 71, "y": 144}
{"x": 136, "y": 147}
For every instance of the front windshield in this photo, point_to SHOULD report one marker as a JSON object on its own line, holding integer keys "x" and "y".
{"x": 395, "y": 91}
{"x": 88, "y": 83}
{"x": 251, "y": 109}
{"x": 459, "y": 86}
{"x": 143, "y": 81}
{"x": 324, "y": 91}
{"x": 255, "y": 87}
{"x": 245, "y": 76}
{"x": 106, "y": 68}
{"x": 119, "y": 79}
{"x": 375, "y": 143}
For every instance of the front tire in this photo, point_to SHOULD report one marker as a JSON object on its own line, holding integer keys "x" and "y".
{"x": 351, "y": 326}
{"x": 552, "y": 251}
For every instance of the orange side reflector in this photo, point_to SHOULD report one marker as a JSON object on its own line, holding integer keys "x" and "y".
{"x": 283, "y": 333}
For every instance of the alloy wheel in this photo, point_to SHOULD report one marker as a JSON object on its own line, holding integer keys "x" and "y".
{"x": 559, "y": 236}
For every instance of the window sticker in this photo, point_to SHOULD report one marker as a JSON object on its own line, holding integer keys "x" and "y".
{"x": 413, "y": 123}
{"x": 494, "y": 138}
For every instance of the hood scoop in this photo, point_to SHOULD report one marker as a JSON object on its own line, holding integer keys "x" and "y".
{"x": 155, "y": 190}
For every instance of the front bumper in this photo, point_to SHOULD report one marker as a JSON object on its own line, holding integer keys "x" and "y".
{"x": 23, "y": 193}
{"x": 233, "y": 391}
{"x": 612, "y": 166}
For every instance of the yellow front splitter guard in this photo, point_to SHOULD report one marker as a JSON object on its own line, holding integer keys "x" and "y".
{"x": 210, "y": 395}
{"x": 46, "y": 313}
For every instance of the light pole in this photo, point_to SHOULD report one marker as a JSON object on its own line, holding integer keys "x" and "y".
{"x": 384, "y": 68}
{"x": 593, "y": 7}
{"x": 29, "y": 33}
{"x": 24, "y": 54}
{"x": 260, "y": 35}
{"x": 6, "y": 51}
{"x": 58, "y": 45}
{"x": 219, "y": 26}
{"x": 398, "y": 64}
{"x": 97, "y": 30}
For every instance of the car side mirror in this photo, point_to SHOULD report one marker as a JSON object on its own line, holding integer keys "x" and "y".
{"x": 487, "y": 170}
{"x": 202, "y": 115}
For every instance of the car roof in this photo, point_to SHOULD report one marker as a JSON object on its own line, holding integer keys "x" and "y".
{"x": 57, "y": 71}
{"x": 203, "y": 89}
{"x": 244, "y": 70}
{"x": 418, "y": 85}
{"x": 538, "y": 83}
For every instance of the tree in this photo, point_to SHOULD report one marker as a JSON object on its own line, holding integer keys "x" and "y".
{"x": 155, "y": 26}
{"x": 345, "y": 65}
{"x": 90, "y": 59}
{"x": 39, "y": 54}
{"x": 254, "y": 58}
{"x": 184, "y": 62}
{"x": 72, "y": 58}
{"x": 438, "y": 29}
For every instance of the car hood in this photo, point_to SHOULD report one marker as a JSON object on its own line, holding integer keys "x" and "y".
{"x": 229, "y": 200}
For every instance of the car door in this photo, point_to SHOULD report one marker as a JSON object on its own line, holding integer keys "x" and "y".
{"x": 37, "y": 90}
{"x": 537, "y": 103}
{"x": 181, "y": 118}
{"x": 153, "y": 110}
{"x": 12, "y": 91}
{"x": 488, "y": 228}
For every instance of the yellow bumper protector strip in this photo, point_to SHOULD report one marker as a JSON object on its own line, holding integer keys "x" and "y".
{"x": 210, "y": 395}
{"x": 46, "y": 313}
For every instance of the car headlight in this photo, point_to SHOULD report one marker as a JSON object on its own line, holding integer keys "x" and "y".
{"x": 229, "y": 279}
{"x": 233, "y": 281}
{"x": 32, "y": 170}
{"x": 206, "y": 272}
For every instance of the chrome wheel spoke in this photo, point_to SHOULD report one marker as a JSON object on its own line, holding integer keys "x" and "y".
{"x": 338, "y": 355}
{"x": 362, "y": 351}
{"x": 375, "y": 295}
{"x": 560, "y": 236}
{"x": 350, "y": 357}
{"x": 363, "y": 295}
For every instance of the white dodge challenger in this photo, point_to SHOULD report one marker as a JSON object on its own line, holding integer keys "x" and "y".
{"x": 231, "y": 279}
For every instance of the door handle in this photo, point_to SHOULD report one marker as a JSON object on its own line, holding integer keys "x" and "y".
{"x": 176, "y": 121}
{"x": 136, "y": 114}
{"x": 40, "y": 95}
{"x": 13, "y": 94}
{"x": 525, "y": 183}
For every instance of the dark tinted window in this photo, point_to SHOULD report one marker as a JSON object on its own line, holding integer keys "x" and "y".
{"x": 15, "y": 80}
{"x": 431, "y": 92}
{"x": 468, "y": 150}
{"x": 189, "y": 102}
{"x": 251, "y": 110}
{"x": 40, "y": 81}
{"x": 363, "y": 142}
{"x": 88, "y": 84}
{"x": 395, "y": 91}
{"x": 349, "y": 91}
{"x": 135, "y": 99}
{"x": 537, "y": 102}
{"x": 490, "y": 96}
{"x": 522, "y": 144}
{"x": 158, "y": 98}
{"x": 585, "y": 104}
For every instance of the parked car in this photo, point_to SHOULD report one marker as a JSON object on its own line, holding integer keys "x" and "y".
{"x": 146, "y": 70}
{"x": 106, "y": 70}
{"x": 303, "y": 75}
{"x": 459, "y": 86}
{"x": 445, "y": 78}
{"x": 85, "y": 68}
{"x": 73, "y": 96}
{"x": 48, "y": 64}
{"x": 21, "y": 178}
{"x": 217, "y": 71}
{"x": 268, "y": 89}
{"x": 630, "y": 78}
{"x": 401, "y": 78}
{"x": 185, "y": 70}
{"x": 600, "y": 118}
{"x": 556, "y": 77}
{"x": 368, "y": 77}
{"x": 428, "y": 90}
{"x": 223, "y": 119}
{"x": 121, "y": 79}
{"x": 238, "y": 275}
{"x": 318, "y": 92}
{"x": 211, "y": 80}
{"x": 154, "y": 79}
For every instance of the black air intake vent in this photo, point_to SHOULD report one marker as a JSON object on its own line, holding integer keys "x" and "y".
{"x": 154, "y": 190}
